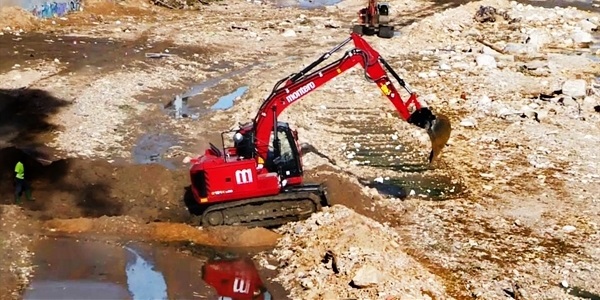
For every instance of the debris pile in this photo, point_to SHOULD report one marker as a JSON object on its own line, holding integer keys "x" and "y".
{"x": 93, "y": 123}
{"x": 489, "y": 13}
{"x": 338, "y": 254}
{"x": 15, "y": 265}
{"x": 182, "y": 4}
{"x": 16, "y": 19}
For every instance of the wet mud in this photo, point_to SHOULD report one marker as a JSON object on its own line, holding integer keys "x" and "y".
{"x": 81, "y": 54}
{"x": 85, "y": 268}
{"x": 150, "y": 148}
{"x": 71, "y": 188}
{"x": 201, "y": 98}
{"x": 381, "y": 147}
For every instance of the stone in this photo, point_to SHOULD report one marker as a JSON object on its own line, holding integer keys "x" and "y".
{"x": 433, "y": 74}
{"x": 574, "y": 88}
{"x": 367, "y": 276}
{"x": 515, "y": 48}
{"x": 445, "y": 67}
{"x": 537, "y": 39}
{"x": 486, "y": 61}
{"x": 468, "y": 123}
{"x": 289, "y": 33}
{"x": 461, "y": 65}
{"x": 587, "y": 26}
{"x": 568, "y": 228}
{"x": 489, "y": 51}
{"x": 484, "y": 103}
{"x": 589, "y": 101}
{"x": 536, "y": 64}
{"x": 581, "y": 37}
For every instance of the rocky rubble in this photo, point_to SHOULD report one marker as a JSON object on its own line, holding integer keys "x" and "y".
{"x": 15, "y": 266}
{"x": 94, "y": 122}
{"x": 339, "y": 254}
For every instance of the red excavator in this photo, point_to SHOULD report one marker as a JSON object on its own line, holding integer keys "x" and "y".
{"x": 258, "y": 181}
{"x": 374, "y": 19}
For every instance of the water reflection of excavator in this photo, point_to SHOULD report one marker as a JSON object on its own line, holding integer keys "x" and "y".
{"x": 235, "y": 279}
{"x": 258, "y": 181}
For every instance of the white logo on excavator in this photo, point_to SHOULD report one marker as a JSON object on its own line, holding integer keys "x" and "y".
{"x": 243, "y": 176}
{"x": 241, "y": 286}
{"x": 300, "y": 92}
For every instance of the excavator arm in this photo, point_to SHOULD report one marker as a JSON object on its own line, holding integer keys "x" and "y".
{"x": 291, "y": 89}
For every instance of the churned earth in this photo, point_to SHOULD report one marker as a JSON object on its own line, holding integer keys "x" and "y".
{"x": 509, "y": 210}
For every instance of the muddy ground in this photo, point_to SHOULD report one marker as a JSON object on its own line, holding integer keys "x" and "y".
{"x": 509, "y": 211}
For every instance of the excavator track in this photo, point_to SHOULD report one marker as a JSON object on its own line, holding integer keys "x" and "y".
{"x": 291, "y": 205}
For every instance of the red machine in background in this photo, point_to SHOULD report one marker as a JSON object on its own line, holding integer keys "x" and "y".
{"x": 235, "y": 279}
{"x": 374, "y": 19}
{"x": 258, "y": 181}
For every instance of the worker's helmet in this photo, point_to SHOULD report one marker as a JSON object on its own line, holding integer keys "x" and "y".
{"x": 238, "y": 137}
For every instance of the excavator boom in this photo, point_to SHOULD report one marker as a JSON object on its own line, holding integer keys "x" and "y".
{"x": 303, "y": 83}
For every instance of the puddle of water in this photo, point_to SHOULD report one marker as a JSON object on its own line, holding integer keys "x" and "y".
{"x": 180, "y": 106}
{"x": 384, "y": 149}
{"x": 150, "y": 148}
{"x": 226, "y": 101}
{"x": 435, "y": 188}
{"x": 78, "y": 268}
{"x": 142, "y": 280}
{"x": 74, "y": 269}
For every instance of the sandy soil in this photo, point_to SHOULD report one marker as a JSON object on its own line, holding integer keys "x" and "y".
{"x": 516, "y": 211}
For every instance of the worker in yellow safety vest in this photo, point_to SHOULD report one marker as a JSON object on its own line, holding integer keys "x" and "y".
{"x": 21, "y": 184}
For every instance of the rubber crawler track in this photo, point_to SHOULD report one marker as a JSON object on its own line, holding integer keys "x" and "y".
{"x": 265, "y": 211}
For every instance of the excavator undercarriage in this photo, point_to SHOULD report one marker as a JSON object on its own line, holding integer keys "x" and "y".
{"x": 295, "y": 203}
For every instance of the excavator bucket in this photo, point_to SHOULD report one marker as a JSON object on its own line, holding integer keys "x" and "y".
{"x": 439, "y": 133}
{"x": 438, "y": 128}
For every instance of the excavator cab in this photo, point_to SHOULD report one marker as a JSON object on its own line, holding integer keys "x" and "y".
{"x": 284, "y": 156}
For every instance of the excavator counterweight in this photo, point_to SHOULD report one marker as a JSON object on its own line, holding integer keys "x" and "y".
{"x": 259, "y": 180}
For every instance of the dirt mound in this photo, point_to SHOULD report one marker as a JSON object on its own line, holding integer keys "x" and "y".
{"x": 343, "y": 191}
{"x": 135, "y": 229}
{"x": 15, "y": 265}
{"x": 17, "y": 18}
{"x": 341, "y": 254}
{"x": 235, "y": 237}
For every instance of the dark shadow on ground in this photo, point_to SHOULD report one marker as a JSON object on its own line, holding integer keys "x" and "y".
{"x": 24, "y": 116}
{"x": 24, "y": 129}
{"x": 55, "y": 183}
